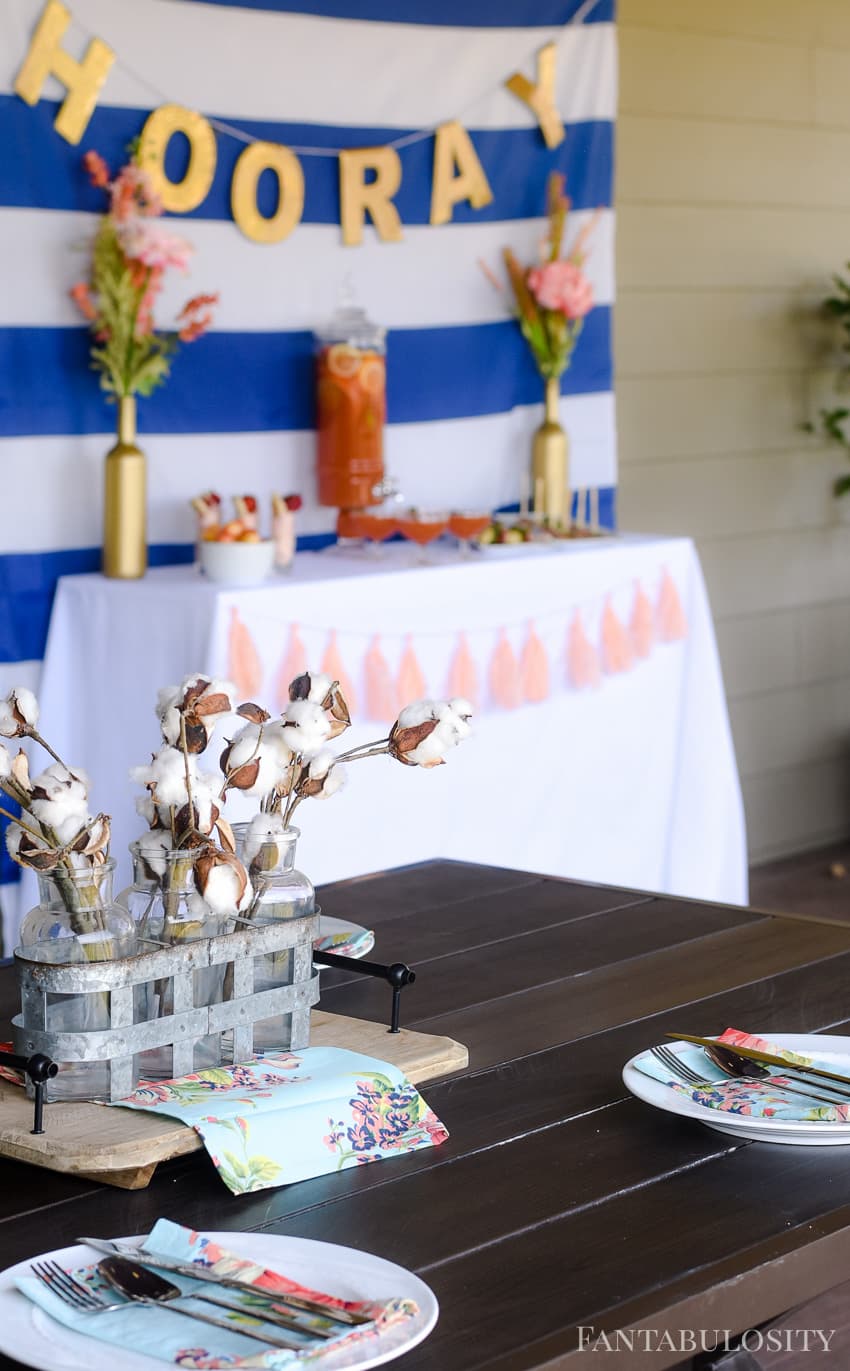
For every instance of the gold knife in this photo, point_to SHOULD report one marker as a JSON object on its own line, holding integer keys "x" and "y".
{"x": 767, "y": 1058}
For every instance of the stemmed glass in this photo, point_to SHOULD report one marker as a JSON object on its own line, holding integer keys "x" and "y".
{"x": 422, "y": 528}
{"x": 467, "y": 525}
{"x": 377, "y": 526}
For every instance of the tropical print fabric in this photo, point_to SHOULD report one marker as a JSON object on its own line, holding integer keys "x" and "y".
{"x": 779, "y": 1101}
{"x": 204, "y": 1349}
{"x": 290, "y": 1116}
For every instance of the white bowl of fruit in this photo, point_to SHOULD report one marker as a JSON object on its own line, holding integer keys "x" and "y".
{"x": 234, "y": 552}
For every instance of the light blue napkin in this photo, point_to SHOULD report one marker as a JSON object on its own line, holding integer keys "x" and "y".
{"x": 779, "y": 1101}
{"x": 288, "y": 1117}
{"x": 177, "y": 1341}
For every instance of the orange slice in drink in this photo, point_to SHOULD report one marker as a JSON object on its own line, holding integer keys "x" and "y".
{"x": 344, "y": 360}
{"x": 372, "y": 376}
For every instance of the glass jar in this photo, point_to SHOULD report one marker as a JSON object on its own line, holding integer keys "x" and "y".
{"x": 167, "y": 909}
{"x": 351, "y": 407}
{"x": 280, "y": 892}
{"x": 77, "y": 922}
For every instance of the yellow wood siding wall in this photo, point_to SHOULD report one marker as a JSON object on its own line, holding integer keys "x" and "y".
{"x": 733, "y": 185}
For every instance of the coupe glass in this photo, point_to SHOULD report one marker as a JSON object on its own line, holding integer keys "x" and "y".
{"x": 422, "y": 527}
{"x": 467, "y": 525}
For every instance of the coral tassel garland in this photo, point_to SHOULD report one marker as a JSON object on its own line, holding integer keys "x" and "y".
{"x": 504, "y": 674}
{"x": 463, "y": 677}
{"x": 381, "y": 697}
{"x": 583, "y": 669}
{"x": 411, "y": 683}
{"x": 642, "y": 627}
{"x": 672, "y": 621}
{"x": 293, "y": 664}
{"x": 244, "y": 666}
{"x": 332, "y": 666}
{"x": 534, "y": 669}
{"x": 617, "y": 652}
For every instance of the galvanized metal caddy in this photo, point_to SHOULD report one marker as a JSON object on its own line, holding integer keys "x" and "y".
{"x": 234, "y": 1017}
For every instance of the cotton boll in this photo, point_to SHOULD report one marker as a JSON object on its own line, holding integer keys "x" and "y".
{"x": 461, "y": 708}
{"x": 306, "y": 727}
{"x": 321, "y": 764}
{"x": 153, "y": 847}
{"x": 335, "y": 779}
{"x": 60, "y": 801}
{"x": 5, "y": 762}
{"x": 14, "y": 834}
{"x": 263, "y": 830}
{"x": 320, "y": 684}
{"x": 146, "y": 809}
{"x": 167, "y": 773}
{"x": 222, "y": 891}
{"x": 26, "y": 705}
{"x": 419, "y": 712}
{"x": 262, "y": 745}
{"x": 429, "y": 752}
{"x": 18, "y": 712}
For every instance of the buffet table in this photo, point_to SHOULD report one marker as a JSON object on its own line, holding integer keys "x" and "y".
{"x": 629, "y": 780}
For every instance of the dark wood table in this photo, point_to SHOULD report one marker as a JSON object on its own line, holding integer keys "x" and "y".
{"x": 559, "y": 1201}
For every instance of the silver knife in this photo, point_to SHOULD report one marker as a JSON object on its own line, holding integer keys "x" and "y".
{"x": 145, "y": 1257}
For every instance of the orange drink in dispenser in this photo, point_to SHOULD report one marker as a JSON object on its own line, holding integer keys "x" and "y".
{"x": 351, "y": 409}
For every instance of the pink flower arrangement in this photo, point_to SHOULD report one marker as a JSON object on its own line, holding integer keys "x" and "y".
{"x": 562, "y": 286}
{"x": 552, "y": 299}
{"x": 132, "y": 252}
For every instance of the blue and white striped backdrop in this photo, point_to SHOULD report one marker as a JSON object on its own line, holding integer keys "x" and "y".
{"x": 237, "y": 412}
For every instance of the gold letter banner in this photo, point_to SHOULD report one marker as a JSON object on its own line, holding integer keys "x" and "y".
{"x": 453, "y": 150}
{"x": 541, "y": 97}
{"x": 187, "y": 194}
{"x": 83, "y": 80}
{"x": 256, "y": 159}
{"x": 359, "y": 198}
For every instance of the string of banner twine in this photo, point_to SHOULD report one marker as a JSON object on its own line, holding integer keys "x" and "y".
{"x": 403, "y": 141}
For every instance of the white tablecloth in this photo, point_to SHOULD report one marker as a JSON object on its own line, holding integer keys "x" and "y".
{"x": 632, "y": 784}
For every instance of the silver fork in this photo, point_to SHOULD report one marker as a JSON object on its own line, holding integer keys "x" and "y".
{"x": 687, "y": 1076}
{"x": 71, "y": 1291}
{"x": 78, "y": 1296}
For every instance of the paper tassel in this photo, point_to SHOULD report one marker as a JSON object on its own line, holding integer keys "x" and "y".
{"x": 381, "y": 696}
{"x": 411, "y": 683}
{"x": 671, "y": 618}
{"x": 463, "y": 677}
{"x": 534, "y": 669}
{"x": 504, "y": 674}
{"x": 332, "y": 666}
{"x": 617, "y": 652}
{"x": 244, "y": 666}
{"x": 293, "y": 664}
{"x": 642, "y": 626}
{"x": 583, "y": 667}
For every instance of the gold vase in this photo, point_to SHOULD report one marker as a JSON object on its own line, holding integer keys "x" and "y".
{"x": 550, "y": 461}
{"x": 125, "y": 552}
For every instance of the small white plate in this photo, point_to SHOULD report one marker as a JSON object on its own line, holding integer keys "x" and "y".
{"x": 825, "y": 1047}
{"x": 329, "y": 926}
{"x": 30, "y": 1335}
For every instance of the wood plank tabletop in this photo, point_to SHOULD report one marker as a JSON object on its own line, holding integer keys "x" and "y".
{"x": 559, "y": 1201}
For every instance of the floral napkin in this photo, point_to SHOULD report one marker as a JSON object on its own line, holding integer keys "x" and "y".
{"x": 171, "y": 1340}
{"x": 780, "y": 1101}
{"x": 289, "y": 1116}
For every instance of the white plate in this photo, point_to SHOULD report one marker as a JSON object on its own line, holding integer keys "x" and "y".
{"x": 328, "y": 927}
{"x": 789, "y": 1131}
{"x": 31, "y": 1336}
